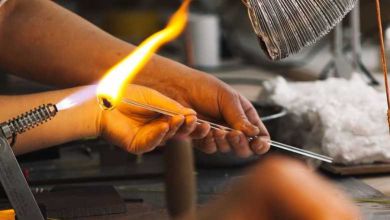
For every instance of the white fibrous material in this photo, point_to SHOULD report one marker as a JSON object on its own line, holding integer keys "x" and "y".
{"x": 345, "y": 119}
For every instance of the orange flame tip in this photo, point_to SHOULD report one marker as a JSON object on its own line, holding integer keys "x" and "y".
{"x": 110, "y": 88}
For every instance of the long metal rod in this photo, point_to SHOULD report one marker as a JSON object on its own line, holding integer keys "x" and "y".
{"x": 356, "y": 35}
{"x": 383, "y": 56}
{"x": 221, "y": 127}
{"x": 16, "y": 186}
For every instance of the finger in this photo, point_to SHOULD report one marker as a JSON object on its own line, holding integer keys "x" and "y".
{"x": 208, "y": 145}
{"x": 220, "y": 139}
{"x": 149, "y": 137}
{"x": 236, "y": 117}
{"x": 175, "y": 123}
{"x": 265, "y": 144}
{"x": 260, "y": 146}
{"x": 250, "y": 111}
{"x": 239, "y": 143}
{"x": 200, "y": 131}
{"x": 188, "y": 127}
{"x": 253, "y": 116}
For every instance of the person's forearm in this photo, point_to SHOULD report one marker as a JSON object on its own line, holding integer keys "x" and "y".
{"x": 69, "y": 125}
{"x": 45, "y": 42}
{"x": 42, "y": 41}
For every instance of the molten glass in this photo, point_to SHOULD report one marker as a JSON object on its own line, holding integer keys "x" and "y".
{"x": 110, "y": 88}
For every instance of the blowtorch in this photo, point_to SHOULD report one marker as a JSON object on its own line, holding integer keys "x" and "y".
{"x": 11, "y": 175}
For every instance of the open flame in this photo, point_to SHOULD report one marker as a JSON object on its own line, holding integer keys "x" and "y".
{"x": 77, "y": 98}
{"x": 111, "y": 87}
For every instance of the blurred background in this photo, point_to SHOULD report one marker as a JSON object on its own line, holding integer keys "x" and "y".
{"x": 227, "y": 24}
{"x": 220, "y": 41}
{"x": 224, "y": 27}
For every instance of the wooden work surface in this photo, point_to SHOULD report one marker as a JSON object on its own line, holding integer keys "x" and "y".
{"x": 354, "y": 187}
{"x": 368, "y": 169}
{"x": 378, "y": 182}
{"x": 135, "y": 211}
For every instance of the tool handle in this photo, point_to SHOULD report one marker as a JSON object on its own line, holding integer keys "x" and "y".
{"x": 180, "y": 181}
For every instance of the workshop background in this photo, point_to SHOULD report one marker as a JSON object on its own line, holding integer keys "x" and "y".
{"x": 220, "y": 41}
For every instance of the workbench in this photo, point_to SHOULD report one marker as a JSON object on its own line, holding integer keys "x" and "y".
{"x": 141, "y": 185}
{"x": 143, "y": 181}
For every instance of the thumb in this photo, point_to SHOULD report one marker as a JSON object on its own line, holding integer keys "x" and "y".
{"x": 235, "y": 115}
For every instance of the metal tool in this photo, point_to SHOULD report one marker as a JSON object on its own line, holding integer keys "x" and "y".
{"x": 339, "y": 66}
{"x": 358, "y": 63}
{"x": 383, "y": 57}
{"x": 221, "y": 127}
{"x": 284, "y": 27}
{"x": 11, "y": 176}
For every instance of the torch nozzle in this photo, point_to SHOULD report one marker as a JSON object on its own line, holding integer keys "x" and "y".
{"x": 29, "y": 120}
{"x": 106, "y": 103}
{"x": 388, "y": 118}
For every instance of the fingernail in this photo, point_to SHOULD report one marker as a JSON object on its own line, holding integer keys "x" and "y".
{"x": 164, "y": 132}
{"x": 165, "y": 127}
{"x": 242, "y": 141}
{"x": 236, "y": 140}
{"x": 191, "y": 120}
{"x": 189, "y": 111}
{"x": 220, "y": 134}
{"x": 259, "y": 149}
{"x": 252, "y": 128}
{"x": 265, "y": 139}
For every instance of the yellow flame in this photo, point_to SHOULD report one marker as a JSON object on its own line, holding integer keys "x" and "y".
{"x": 111, "y": 87}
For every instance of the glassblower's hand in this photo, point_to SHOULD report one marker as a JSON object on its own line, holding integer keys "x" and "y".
{"x": 138, "y": 130}
{"x": 218, "y": 101}
{"x": 215, "y": 101}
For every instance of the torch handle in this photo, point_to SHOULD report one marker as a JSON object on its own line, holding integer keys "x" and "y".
{"x": 383, "y": 54}
{"x": 180, "y": 183}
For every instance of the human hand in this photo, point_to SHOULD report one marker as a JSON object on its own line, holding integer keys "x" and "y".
{"x": 281, "y": 188}
{"x": 138, "y": 130}
{"x": 216, "y": 101}
{"x": 227, "y": 106}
